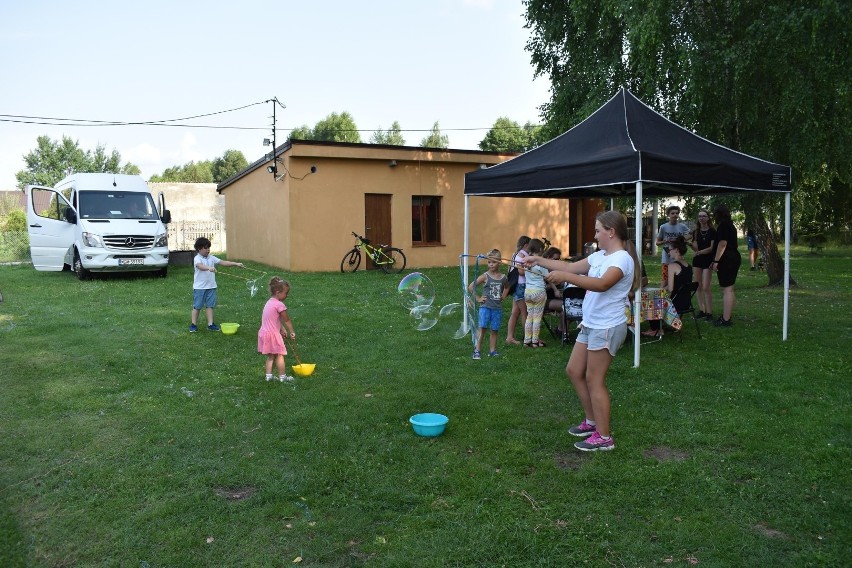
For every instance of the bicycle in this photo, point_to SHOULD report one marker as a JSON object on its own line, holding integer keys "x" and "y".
{"x": 390, "y": 259}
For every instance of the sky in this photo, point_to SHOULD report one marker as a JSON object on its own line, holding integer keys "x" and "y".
{"x": 459, "y": 62}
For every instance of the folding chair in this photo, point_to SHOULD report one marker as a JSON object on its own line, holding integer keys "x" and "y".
{"x": 572, "y": 310}
{"x": 678, "y": 299}
{"x": 552, "y": 320}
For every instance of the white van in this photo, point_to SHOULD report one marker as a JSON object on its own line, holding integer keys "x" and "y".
{"x": 97, "y": 223}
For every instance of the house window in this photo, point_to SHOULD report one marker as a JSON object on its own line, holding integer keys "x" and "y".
{"x": 425, "y": 220}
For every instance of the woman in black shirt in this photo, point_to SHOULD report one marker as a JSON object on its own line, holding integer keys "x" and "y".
{"x": 704, "y": 245}
{"x": 726, "y": 262}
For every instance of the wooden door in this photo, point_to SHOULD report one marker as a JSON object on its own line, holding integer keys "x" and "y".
{"x": 377, "y": 220}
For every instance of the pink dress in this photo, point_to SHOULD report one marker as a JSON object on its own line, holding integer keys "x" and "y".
{"x": 269, "y": 340}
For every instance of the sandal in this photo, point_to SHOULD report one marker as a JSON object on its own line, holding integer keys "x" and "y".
{"x": 541, "y": 344}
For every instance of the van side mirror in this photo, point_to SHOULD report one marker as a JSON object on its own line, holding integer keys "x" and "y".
{"x": 166, "y": 217}
{"x": 70, "y": 215}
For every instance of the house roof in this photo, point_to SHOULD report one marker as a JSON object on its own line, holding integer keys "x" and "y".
{"x": 353, "y": 149}
{"x": 15, "y": 194}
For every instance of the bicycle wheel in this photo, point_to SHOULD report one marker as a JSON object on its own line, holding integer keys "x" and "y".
{"x": 394, "y": 261}
{"x": 351, "y": 261}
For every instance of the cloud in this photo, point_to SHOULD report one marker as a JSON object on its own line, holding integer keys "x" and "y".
{"x": 143, "y": 154}
{"x": 487, "y": 4}
{"x": 189, "y": 150}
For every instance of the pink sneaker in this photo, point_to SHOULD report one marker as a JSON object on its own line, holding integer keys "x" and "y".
{"x": 596, "y": 443}
{"x": 582, "y": 429}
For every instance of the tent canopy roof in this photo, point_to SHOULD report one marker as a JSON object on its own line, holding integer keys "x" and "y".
{"x": 622, "y": 143}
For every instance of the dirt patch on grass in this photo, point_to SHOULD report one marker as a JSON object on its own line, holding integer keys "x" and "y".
{"x": 235, "y": 493}
{"x": 664, "y": 453}
{"x": 570, "y": 460}
{"x": 768, "y": 532}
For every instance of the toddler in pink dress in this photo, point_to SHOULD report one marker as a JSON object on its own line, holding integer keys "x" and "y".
{"x": 270, "y": 341}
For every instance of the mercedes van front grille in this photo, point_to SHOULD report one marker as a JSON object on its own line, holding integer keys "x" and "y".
{"x": 128, "y": 242}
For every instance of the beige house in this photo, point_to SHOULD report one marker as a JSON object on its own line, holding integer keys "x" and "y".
{"x": 410, "y": 197}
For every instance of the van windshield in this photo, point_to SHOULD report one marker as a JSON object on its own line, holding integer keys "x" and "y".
{"x": 116, "y": 205}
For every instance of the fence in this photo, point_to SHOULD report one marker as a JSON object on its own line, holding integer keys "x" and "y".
{"x": 15, "y": 245}
{"x": 182, "y": 234}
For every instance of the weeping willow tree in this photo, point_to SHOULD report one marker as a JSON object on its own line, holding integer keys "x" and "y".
{"x": 767, "y": 79}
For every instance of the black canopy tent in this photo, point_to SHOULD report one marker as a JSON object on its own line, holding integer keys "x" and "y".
{"x": 626, "y": 148}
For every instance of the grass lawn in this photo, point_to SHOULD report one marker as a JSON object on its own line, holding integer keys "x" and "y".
{"x": 127, "y": 441}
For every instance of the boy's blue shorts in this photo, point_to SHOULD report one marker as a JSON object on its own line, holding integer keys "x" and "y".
{"x": 202, "y": 298}
{"x": 490, "y": 318}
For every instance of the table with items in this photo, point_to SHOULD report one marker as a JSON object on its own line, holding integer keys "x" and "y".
{"x": 655, "y": 304}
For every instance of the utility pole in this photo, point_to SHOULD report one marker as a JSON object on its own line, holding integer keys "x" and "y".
{"x": 273, "y": 169}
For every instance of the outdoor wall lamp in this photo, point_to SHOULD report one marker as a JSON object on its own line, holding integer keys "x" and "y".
{"x": 272, "y": 169}
{"x": 392, "y": 164}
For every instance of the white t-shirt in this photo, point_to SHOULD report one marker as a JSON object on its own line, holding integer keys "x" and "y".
{"x": 519, "y": 258}
{"x": 602, "y": 310}
{"x": 204, "y": 279}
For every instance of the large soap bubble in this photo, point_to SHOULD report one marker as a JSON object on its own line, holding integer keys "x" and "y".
{"x": 452, "y": 320}
{"x": 425, "y": 317}
{"x": 416, "y": 290}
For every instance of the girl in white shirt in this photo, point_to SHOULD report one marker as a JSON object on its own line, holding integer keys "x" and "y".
{"x": 608, "y": 275}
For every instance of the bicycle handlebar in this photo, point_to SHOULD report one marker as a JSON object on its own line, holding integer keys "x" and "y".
{"x": 364, "y": 240}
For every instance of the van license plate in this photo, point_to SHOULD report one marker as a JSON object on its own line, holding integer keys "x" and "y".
{"x": 130, "y": 261}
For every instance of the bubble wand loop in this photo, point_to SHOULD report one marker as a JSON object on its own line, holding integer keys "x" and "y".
{"x": 251, "y": 283}
{"x": 470, "y": 311}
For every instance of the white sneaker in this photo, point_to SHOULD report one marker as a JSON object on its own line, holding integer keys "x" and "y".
{"x": 268, "y": 377}
{"x": 286, "y": 379}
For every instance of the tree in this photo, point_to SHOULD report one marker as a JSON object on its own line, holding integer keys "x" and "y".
{"x": 337, "y": 128}
{"x": 14, "y": 221}
{"x": 230, "y": 163}
{"x": 435, "y": 139}
{"x": 722, "y": 69}
{"x": 333, "y": 128}
{"x": 191, "y": 172}
{"x": 205, "y": 171}
{"x": 391, "y": 136}
{"x": 53, "y": 160}
{"x": 303, "y": 132}
{"x": 508, "y": 136}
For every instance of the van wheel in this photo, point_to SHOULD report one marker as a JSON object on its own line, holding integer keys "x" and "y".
{"x": 82, "y": 273}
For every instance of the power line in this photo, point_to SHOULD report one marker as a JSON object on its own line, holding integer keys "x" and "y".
{"x": 85, "y": 122}
{"x": 124, "y": 123}
{"x": 46, "y": 122}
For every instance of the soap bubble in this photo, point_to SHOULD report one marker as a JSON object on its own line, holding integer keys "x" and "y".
{"x": 452, "y": 320}
{"x": 472, "y": 308}
{"x": 425, "y": 317}
{"x": 416, "y": 290}
{"x": 252, "y": 287}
